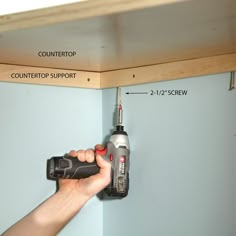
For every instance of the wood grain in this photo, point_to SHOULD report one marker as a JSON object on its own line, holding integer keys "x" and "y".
{"x": 152, "y": 35}
{"x": 74, "y": 11}
{"x": 75, "y": 78}
{"x": 133, "y": 76}
{"x": 169, "y": 71}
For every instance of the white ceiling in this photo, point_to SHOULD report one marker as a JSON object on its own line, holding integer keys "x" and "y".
{"x": 13, "y": 6}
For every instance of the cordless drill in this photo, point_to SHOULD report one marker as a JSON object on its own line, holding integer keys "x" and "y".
{"x": 116, "y": 151}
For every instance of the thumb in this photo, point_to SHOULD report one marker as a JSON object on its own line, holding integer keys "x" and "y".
{"x": 102, "y": 163}
{"x": 105, "y": 168}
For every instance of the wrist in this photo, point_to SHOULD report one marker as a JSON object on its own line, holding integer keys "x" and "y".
{"x": 57, "y": 211}
{"x": 73, "y": 195}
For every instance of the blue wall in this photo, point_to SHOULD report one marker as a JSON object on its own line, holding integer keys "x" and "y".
{"x": 183, "y": 160}
{"x": 37, "y": 122}
{"x": 182, "y": 155}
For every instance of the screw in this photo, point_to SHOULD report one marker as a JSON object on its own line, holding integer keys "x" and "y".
{"x": 232, "y": 81}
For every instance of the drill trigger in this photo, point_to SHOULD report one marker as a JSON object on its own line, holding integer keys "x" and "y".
{"x": 101, "y": 152}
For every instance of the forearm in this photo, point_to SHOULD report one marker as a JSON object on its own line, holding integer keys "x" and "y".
{"x": 50, "y": 217}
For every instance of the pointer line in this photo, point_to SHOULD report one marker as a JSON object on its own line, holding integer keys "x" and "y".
{"x": 137, "y": 93}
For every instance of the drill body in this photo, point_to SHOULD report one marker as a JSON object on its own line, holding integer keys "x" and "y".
{"x": 116, "y": 151}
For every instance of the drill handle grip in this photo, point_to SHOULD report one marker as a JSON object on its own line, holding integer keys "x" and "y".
{"x": 69, "y": 167}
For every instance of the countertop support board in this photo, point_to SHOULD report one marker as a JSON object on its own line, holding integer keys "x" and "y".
{"x": 139, "y": 75}
{"x": 169, "y": 71}
{"x": 80, "y": 79}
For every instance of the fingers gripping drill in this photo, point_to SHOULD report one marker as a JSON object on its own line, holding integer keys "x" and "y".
{"x": 116, "y": 151}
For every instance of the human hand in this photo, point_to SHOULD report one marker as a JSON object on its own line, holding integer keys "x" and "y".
{"x": 90, "y": 186}
{"x": 53, "y": 214}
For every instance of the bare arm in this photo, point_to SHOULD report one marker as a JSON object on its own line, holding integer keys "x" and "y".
{"x": 52, "y": 215}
